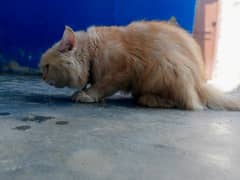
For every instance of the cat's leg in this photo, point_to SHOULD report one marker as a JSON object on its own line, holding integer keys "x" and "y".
{"x": 155, "y": 101}
{"x": 82, "y": 96}
{"x": 95, "y": 93}
{"x": 193, "y": 102}
{"x": 189, "y": 99}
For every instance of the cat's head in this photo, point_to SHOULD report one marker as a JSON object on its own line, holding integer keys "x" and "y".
{"x": 66, "y": 64}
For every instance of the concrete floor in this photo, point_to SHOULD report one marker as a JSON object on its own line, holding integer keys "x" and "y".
{"x": 43, "y": 135}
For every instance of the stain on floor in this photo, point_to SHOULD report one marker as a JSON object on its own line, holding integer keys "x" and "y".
{"x": 37, "y": 118}
{"x": 4, "y": 113}
{"x": 62, "y": 122}
{"x": 22, "y": 128}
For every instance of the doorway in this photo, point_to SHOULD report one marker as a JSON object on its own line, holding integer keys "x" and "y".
{"x": 205, "y": 31}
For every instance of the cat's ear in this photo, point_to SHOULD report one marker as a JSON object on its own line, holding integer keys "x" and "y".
{"x": 68, "y": 41}
{"x": 173, "y": 21}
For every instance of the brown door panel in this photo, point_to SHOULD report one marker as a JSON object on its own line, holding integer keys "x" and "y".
{"x": 205, "y": 31}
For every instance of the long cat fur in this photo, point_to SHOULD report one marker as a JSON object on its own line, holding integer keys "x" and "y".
{"x": 159, "y": 63}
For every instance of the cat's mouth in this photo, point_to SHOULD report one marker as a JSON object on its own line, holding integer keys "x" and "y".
{"x": 50, "y": 82}
{"x": 53, "y": 83}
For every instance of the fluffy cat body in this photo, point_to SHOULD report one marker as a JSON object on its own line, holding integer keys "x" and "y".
{"x": 159, "y": 63}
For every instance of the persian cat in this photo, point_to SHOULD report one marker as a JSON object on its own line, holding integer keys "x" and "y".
{"x": 159, "y": 63}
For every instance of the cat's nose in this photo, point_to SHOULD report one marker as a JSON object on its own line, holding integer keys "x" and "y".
{"x": 45, "y": 72}
{"x": 44, "y": 77}
{"x": 47, "y": 66}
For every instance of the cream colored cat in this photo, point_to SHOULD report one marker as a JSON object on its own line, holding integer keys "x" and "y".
{"x": 160, "y": 64}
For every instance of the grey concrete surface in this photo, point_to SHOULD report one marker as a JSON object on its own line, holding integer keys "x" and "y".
{"x": 43, "y": 135}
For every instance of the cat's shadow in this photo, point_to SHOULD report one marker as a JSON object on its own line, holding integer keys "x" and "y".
{"x": 47, "y": 99}
{"x": 66, "y": 100}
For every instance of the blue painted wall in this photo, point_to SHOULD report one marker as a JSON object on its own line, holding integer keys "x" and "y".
{"x": 28, "y": 27}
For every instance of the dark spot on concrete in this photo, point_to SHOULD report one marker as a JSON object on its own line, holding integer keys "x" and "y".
{"x": 163, "y": 146}
{"x": 36, "y": 118}
{"x": 160, "y": 146}
{"x": 167, "y": 148}
{"x": 62, "y": 122}
{"x": 4, "y": 113}
{"x": 22, "y": 128}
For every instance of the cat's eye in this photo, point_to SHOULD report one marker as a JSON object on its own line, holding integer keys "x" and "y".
{"x": 68, "y": 63}
{"x": 46, "y": 68}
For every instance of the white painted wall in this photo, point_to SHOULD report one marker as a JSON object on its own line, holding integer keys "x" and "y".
{"x": 226, "y": 75}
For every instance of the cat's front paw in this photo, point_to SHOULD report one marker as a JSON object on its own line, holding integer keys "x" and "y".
{"x": 82, "y": 96}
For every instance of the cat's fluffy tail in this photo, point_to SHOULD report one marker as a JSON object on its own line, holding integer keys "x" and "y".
{"x": 217, "y": 100}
